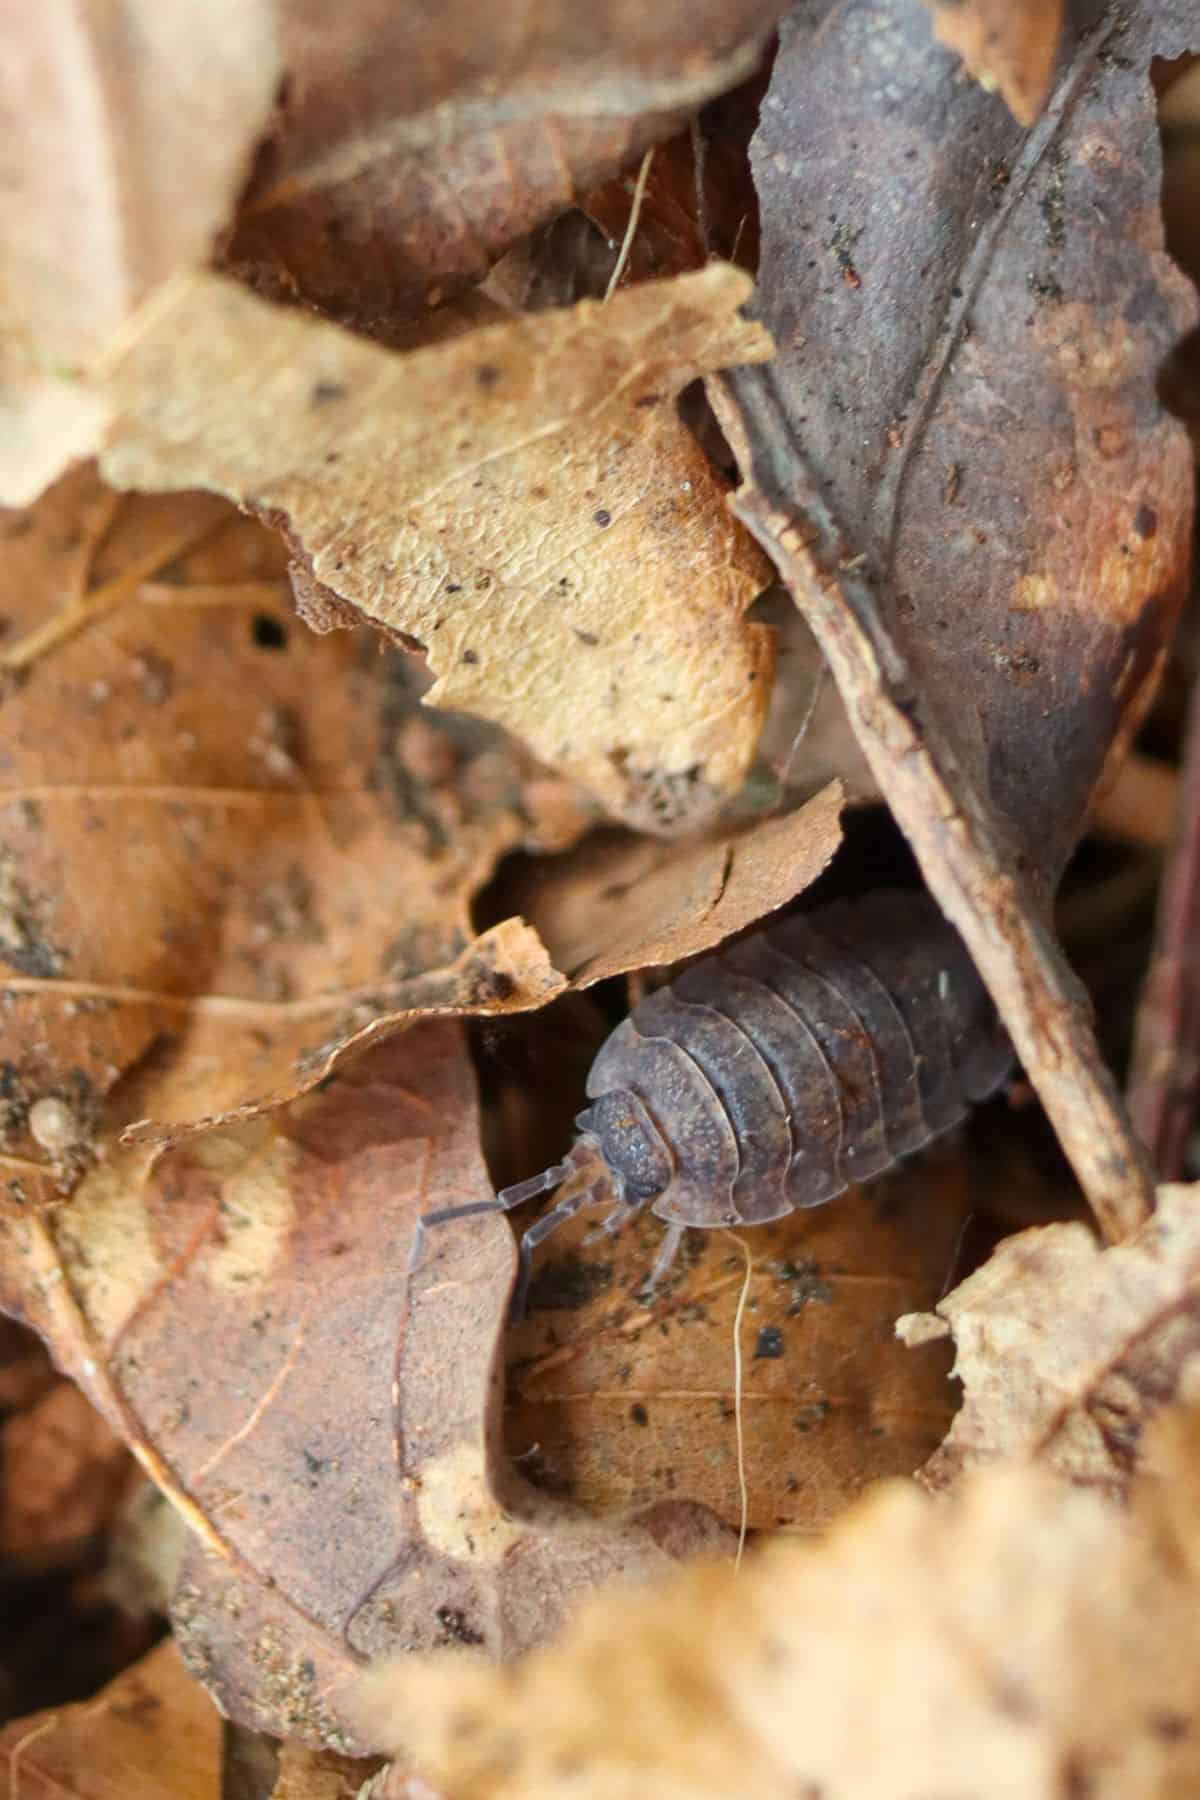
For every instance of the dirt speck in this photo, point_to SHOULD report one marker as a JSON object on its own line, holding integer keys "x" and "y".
{"x": 569, "y": 1285}
{"x": 23, "y": 940}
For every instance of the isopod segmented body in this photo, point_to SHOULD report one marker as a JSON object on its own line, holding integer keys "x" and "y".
{"x": 778, "y": 1071}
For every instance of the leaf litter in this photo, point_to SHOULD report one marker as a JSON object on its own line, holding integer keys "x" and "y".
{"x": 1037, "y": 565}
{"x": 481, "y": 1483}
{"x": 1067, "y": 1351}
{"x": 521, "y": 500}
{"x": 222, "y": 859}
{"x": 400, "y": 165}
{"x": 1025, "y": 1637}
{"x": 265, "y": 1236}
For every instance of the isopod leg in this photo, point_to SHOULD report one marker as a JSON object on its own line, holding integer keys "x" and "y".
{"x": 668, "y": 1251}
{"x": 520, "y": 1191}
{"x": 444, "y": 1216}
{"x": 504, "y": 1201}
{"x": 616, "y": 1221}
{"x": 537, "y": 1234}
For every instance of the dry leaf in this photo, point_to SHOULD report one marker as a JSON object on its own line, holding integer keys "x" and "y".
{"x": 26, "y": 1372}
{"x": 1066, "y": 1351}
{"x": 62, "y": 1475}
{"x": 320, "y": 1775}
{"x": 1021, "y": 1641}
{"x": 523, "y": 501}
{"x": 616, "y": 1399}
{"x": 410, "y": 150}
{"x": 337, "y": 1394}
{"x": 958, "y": 462}
{"x": 227, "y": 847}
{"x": 1005, "y": 44}
{"x": 132, "y": 130}
{"x": 152, "y": 1734}
{"x": 614, "y": 906}
{"x": 697, "y": 198}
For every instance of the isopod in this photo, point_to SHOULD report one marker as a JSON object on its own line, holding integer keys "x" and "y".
{"x": 776, "y": 1072}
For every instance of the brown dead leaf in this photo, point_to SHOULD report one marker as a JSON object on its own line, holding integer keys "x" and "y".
{"x": 321, "y": 1775}
{"x": 1019, "y": 1642}
{"x": 697, "y": 198}
{"x": 62, "y": 1475}
{"x": 958, "y": 462}
{"x": 1005, "y": 44}
{"x": 26, "y": 1372}
{"x": 227, "y": 847}
{"x": 616, "y": 1400}
{"x": 523, "y": 501}
{"x": 152, "y": 1733}
{"x": 336, "y": 1396}
{"x": 410, "y": 150}
{"x": 628, "y": 903}
{"x": 1066, "y": 1351}
{"x": 132, "y": 128}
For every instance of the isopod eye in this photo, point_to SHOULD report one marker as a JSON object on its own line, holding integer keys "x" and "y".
{"x": 630, "y": 1143}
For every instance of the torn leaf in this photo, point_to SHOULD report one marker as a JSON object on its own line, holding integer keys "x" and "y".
{"x": 1067, "y": 1351}
{"x": 1006, "y": 44}
{"x": 410, "y": 149}
{"x": 523, "y": 501}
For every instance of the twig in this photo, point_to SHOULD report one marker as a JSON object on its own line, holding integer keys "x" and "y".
{"x": 631, "y": 228}
{"x": 1166, "y": 1061}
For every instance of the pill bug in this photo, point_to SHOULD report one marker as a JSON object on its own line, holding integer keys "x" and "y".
{"x": 775, "y": 1073}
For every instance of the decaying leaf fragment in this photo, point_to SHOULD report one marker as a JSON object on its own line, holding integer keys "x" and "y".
{"x": 958, "y": 462}
{"x": 612, "y": 907}
{"x": 524, "y": 501}
{"x": 1005, "y": 44}
{"x": 1066, "y": 1351}
{"x": 341, "y": 1392}
{"x": 1020, "y": 1642}
{"x": 62, "y": 1473}
{"x": 152, "y": 1731}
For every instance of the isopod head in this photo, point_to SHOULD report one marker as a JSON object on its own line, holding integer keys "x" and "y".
{"x": 630, "y": 1144}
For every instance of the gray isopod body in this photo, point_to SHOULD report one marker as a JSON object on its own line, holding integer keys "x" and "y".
{"x": 778, "y": 1071}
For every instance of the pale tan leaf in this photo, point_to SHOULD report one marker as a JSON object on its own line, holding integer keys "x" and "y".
{"x": 153, "y": 1734}
{"x": 1005, "y": 44}
{"x": 1066, "y": 1351}
{"x": 523, "y": 501}
{"x": 132, "y": 126}
{"x": 1022, "y": 1641}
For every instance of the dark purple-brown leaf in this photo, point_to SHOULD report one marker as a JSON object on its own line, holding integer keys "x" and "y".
{"x": 959, "y": 463}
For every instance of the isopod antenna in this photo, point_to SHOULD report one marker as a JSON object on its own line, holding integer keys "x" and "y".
{"x": 581, "y": 1160}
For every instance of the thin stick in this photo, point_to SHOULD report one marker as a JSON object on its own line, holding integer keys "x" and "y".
{"x": 814, "y": 700}
{"x": 627, "y": 240}
{"x": 737, "y": 1397}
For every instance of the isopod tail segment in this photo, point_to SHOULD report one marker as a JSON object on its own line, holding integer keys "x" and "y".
{"x": 595, "y": 1183}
